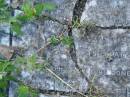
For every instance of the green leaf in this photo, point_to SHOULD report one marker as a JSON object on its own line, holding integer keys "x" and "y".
{"x": 26, "y": 7}
{"x": 3, "y": 94}
{"x": 39, "y": 8}
{"x": 3, "y": 83}
{"x": 33, "y": 93}
{"x": 20, "y": 60}
{"x": 31, "y": 60}
{"x": 49, "y": 6}
{"x": 67, "y": 40}
{"x": 44, "y": 6}
{"x": 28, "y": 10}
{"x": 3, "y": 66}
{"x": 54, "y": 40}
{"x": 13, "y": 19}
{"x": 2, "y": 3}
{"x": 1, "y": 76}
{"x": 9, "y": 77}
{"x": 6, "y": 66}
{"x": 22, "y": 18}
{"x": 16, "y": 27}
{"x": 4, "y": 14}
{"x": 10, "y": 68}
{"x": 23, "y": 91}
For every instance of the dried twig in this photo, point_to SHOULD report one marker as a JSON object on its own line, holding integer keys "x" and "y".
{"x": 49, "y": 70}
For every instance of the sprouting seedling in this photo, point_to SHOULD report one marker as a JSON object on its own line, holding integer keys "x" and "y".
{"x": 66, "y": 40}
{"x": 54, "y": 40}
{"x": 94, "y": 91}
{"x": 76, "y": 23}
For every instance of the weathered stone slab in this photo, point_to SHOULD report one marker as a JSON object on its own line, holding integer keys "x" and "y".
{"x": 104, "y": 55}
{"x": 60, "y": 63}
{"x": 64, "y": 12}
{"x": 107, "y": 12}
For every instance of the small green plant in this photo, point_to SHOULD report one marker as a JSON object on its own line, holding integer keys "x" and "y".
{"x": 76, "y": 23}
{"x": 66, "y": 40}
{"x": 54, "y": 40}
{"x": 23, "y": 91}
{"x": 29, "y": 63}
{"x": 29, "y": 13}
{"x": 6, "y": 68}
{"x": 94, "y": 91}
{"x": 88, "y": 25}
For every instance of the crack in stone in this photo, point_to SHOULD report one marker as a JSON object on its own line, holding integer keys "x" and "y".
{"x": 114, "y": 27}
{"x": 11, "y": 33}
{"x": 51, "y": 18}
{"x": 55, "y": 92}
{"x": 77, "y": 12}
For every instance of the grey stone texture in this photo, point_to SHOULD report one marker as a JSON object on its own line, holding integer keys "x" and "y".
{"x": 107, "y": 12}
{"x": 102, "y": 50}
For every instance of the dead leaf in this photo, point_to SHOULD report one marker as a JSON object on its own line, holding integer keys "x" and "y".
{"x": 6, "y": 51}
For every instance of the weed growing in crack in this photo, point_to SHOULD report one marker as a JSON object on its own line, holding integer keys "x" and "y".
{"x": 94, "y": 91}
{"x": 66, "y": 40}
{"x": 87, "y": 29}
{"x": 54, "y": 40}
{"x": 85, "y": 24}
{"x": 76, "y": 23}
